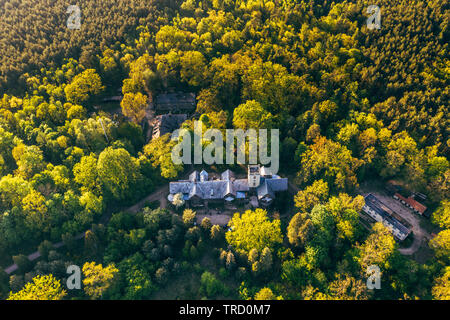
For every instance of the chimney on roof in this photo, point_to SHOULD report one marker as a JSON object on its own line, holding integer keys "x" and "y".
{"x": 254, "y": 176}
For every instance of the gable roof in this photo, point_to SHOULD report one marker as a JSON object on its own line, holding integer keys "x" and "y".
{"x": 227, "y": 175}
{"x": 175, "y": 101}
{"x": 264, "y": 190}
{"x": 180, "y": 187}
{"x": 241, "y": 185}
{"x": 376, "y": 205}
{"x": 227, "y": 186}
{"x": 269, "y": 186}
{"x": 277, "y": 184}
{"x": 413, "y": 203}
{"x": 194, "y": 176}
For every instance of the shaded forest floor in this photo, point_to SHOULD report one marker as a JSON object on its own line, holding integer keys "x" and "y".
{"x": 186, "y": 285}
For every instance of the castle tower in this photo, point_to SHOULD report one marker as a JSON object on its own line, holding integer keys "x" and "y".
{"x": 254, "y": 176}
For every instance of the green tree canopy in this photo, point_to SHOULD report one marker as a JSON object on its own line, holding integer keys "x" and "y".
{"x": 251, "y": 115}
{"x": 378, "y": 249}
{"x": 84, "y": 86}
{"x": 254, "y": 230}
{"x": 134, "y": 105}
{"x": 118, "y": 172}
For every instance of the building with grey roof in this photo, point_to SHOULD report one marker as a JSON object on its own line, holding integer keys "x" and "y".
{"x": 167, "y": 123}
{"x": 380, "y": 212}
{"x": 200, "y": 190}
{"x": 175, "y": 102}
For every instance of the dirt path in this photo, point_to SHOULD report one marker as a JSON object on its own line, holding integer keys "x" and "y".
{"x": 35, "y": 255}
{"x": 413, "y": 248}
{"x": 220, "y": 219}
{"x": 160, "y": 195}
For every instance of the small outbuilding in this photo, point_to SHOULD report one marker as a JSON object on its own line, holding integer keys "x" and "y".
{"x": 177, "y": 102}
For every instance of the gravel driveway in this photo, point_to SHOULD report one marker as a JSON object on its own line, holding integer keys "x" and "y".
{"x": 407, "y": 214}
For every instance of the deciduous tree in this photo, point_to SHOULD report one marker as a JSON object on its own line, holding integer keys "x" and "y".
{"x": 98, "y": 279}
{"x": 134, "y": 105}
{"x": 253, "y": 230}
{"x": 42, "y": 288}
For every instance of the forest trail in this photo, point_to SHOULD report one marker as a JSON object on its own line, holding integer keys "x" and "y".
{"x": 36, "y": 255}
{"x": 412, "y": 219}
{"x": 158, "y": 195}
{"x": 413, "y": 248}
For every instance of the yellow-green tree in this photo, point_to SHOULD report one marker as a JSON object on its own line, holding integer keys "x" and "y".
{"x": 346, "y": 287}
{"x": 41, "y": 288}
{"x": 133, "y": 106}
{"x": 332, "y": 162}
{"x": 98, "y": 279}
{"x": 160, "y": 152}
{"x": 83, "y": 86}
{"x": 193, "y": 66}
{"x": 254, "y": 230}
{"x": 300, "y": 229}
{"x": 29, "y": 159}
{"x": 345, "y": 212}
{"x": 316, "y": 193}
{"x": 251, "y": 115}
{"x": 266, "y": 294}
{"x": 441, "y": 288}
{"x": 378, "y": 248}
{"x": 13, "y": 189}
{"x": 441, "y": 216}
{"x": 85, "y": 172}
{"x": 35, "y": 209}
{"x": 441, "y": 244}
{"x": 117, "y": 171}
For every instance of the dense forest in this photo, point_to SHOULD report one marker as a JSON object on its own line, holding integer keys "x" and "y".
{"x": 352, "y": 105}
{"x": 35, "y": 35}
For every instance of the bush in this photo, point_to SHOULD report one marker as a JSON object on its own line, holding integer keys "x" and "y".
{"x": 44, "y": 249}
{"x": 176, "y": 268}
{"x": 223, "y": 273}
{"x": 162, "y": 275}
{"x": 216, "y": 233}
{"x": 186, "y": 266}
{"x": 16, "y": 282}
{"x": 198, "y": 268}
{"x": 189, "y": 217}
{"x": 241, "y": 273}
{"x": 193, "y": 234}
{"x": 201, "y": 246}
{"x": 210, "y": 285}
{"x": 193, "y": 253}
{"x": 168, "y": 263}
{"x": 22, "y": 262}
{"x": 206, "y": 225}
